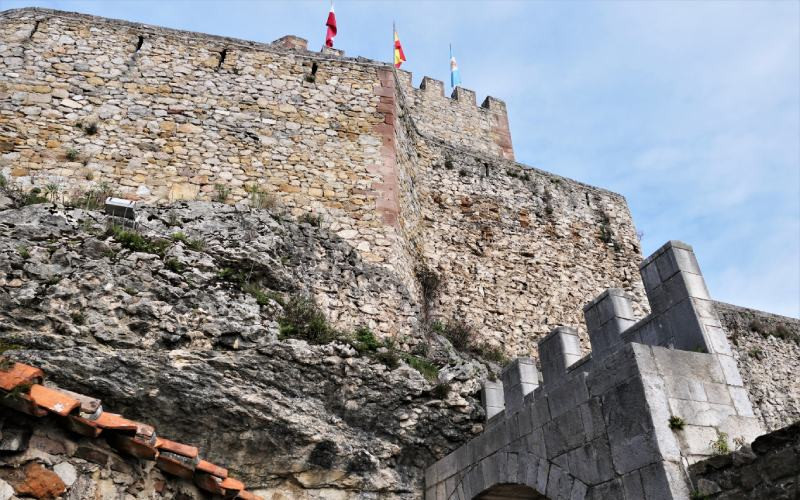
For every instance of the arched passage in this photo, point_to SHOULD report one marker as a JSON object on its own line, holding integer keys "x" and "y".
{"x": 510, "y": 492}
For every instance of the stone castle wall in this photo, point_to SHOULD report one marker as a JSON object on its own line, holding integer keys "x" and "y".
{"x": 181, "y": 115}
{"x": 767, "y": 350}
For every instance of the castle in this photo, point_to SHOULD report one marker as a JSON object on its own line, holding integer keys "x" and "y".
{"x": 424, "y": 188}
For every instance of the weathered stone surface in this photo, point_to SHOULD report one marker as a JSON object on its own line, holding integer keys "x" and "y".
{"x": 143, "y": 334}
{"x": 767, "y": 351}
{"x": 771, "y": 472}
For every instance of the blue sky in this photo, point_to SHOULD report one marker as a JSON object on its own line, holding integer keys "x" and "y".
{"x": 691, "y": 110}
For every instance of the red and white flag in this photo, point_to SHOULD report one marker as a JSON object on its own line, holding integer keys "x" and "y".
{"x": 331, "y": 24}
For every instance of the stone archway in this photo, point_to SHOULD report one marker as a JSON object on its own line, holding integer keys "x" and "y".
{"x": 510, "y": 492}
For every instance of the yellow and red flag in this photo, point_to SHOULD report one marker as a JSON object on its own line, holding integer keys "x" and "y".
{"x": 399, "y": 56}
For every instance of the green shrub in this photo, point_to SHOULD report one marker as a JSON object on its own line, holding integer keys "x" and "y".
{"x": 222, "y": 192}
{"x": 71, "y": 154}
{"x": 263, "y": 297}
{"x": 756, "y": 353}
{"x": 175, "y": 265}
{"x": 196, "y": 244}
{"x": 459, "y": 333}
{"x": 441, "y": 391}
{"x": 676, "y": 423}
{"x": 365, "y": 341}
{"x": 490, "y": 353}
{"x": 720, "y": 446}
{"x": 303, "y": 319}
{"x": 3, "y": 181}
{"x": 34, "y": 197}
{"x": 94, "y": 198}
{"x": 136, "y": 242}
{"x": 389, "y": 358}
{"x": 23, "y": 252}
{"x": 425, "y": 367}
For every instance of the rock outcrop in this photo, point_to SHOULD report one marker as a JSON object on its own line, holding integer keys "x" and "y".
{"x": 184, "y": 334}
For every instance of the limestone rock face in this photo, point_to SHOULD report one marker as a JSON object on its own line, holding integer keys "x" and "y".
{"x": 176, "y": 338}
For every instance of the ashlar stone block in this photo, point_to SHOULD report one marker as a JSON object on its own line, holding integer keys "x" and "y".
{"x": 557, "y": 352}
{"x": 520, "y": 378}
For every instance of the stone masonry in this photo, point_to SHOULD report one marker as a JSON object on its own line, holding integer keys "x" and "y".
{"x": 769, "y": 468}
{"x": 625, "y": 421}
{"x": 406, "y": 176}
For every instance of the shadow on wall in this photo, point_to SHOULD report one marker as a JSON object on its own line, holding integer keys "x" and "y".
{"x": 509, "y": 492}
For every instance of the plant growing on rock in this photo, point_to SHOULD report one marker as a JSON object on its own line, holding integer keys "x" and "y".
{"x": 720, "y": 446}
{"x": 303, "y": 319}
{"x": 676, "y": 423}
{"x": 52, "y": 190}
{"x": 23, "y": 252}
{"x": 429, "y": 282}
{"x": 34, "y": 197}
{"x": 222, "y": 192}
{"x": 136, "y": 242}
{"x": 310, "y": 219}
{"x": 71, "y": 154}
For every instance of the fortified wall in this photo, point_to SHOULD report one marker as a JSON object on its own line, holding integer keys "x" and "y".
{"x": 626, "y": 420}
{"x": 411, "y": 179}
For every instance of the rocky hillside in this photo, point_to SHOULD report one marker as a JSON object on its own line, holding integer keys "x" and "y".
{"x": 202, "y": 322}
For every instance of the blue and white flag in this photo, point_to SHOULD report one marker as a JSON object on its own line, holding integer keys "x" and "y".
{"x": 455, "y": 77}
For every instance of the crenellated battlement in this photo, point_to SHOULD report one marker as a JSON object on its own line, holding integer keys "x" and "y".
{"x": 650, "y": 398}
{"x": 458, "y": 119}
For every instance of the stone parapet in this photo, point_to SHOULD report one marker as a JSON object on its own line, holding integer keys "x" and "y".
{"x": 625, "y": 423}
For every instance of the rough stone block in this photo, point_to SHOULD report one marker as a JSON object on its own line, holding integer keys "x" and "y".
{"x": 699, "y": 366}
{"x": 701, "y": 412}
{"x": 632, "y": 485}
{"x": 557, "y": 352}
{"x": 608, "y": 490}
{"x": 542, "y": 475}
{"x": 591, "y": 463}
{"x": 730, "y": 370}
{"x": 685, "y": 388}
{"x": 717, "y": 393}
{"x": 568, "y": 395}
{"x": 741, "y": 401}
{"x": 559, "y": 483}
{"x": 564, "y": 433}
{"x": 630, "y": 432}
{"x": 520, "y": 378}
{"x": 592, "y": 418}
{"x": 492, "y": 398}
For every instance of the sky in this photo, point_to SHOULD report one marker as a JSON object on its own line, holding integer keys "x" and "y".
{"x": 691, "y": 110}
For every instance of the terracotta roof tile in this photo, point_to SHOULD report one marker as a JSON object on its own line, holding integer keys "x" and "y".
{"x": 246, "y": 495}
{"x": 232, "y": 484}
{"x": 19, "y": 374}
{"x": 214, "y": 470}
{"x": 22, "y": 403}
{"x": 172, "y": 464}
{"x": 82, "y": 426}
{"x": 53, "y": 400}
{"x": 26, "y": 394}
{"x": 209, "y": 483}
{"x": 88, "y": 404}
{"x": 177, "y": 448}
{"x": 108, "y": 420}
{"x": 133, "y": 446}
